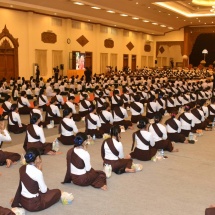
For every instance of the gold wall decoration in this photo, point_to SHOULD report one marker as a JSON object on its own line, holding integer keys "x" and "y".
{"x": 147, "y": 48}
{"x": 109, "y": 43}
{"x": 82, "y": 40}
{"x": 130, "y": 46}
{"x": 49, "y": 37}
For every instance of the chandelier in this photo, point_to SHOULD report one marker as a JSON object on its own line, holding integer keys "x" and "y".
{"x": 204, "y": 2}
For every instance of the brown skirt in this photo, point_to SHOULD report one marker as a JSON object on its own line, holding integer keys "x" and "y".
{"x": 164, "y": 144}
{"x": 16, "y": 129}
{"x": 43, "y": 107}
{"x": 41, "y": 202}
{"x": 150, "y": 115}
{"x": 171, "y": 109}
{"x": 105, "y": 128}
{"x": 93, "y": 132}
{"x": 95, "y": 178}
{"x": 176, "y": 137}
{"x": 119, "y": 164}
{"x": 44, "y": 148}
{"x": 57, "y": 119}
{"x": 83, "y": 113}
{"x": 210, "y": 211}
{"x": 201, "y": 125}
{"x": 8, "y": 155}
{"x": 6, "y": 211}
{"x": 125, "y": 123}
{"x": 25, "y": 110}
{"x": 185, "y": 132}
{"x": 143, "y": 155}
{"x": 66, "y": 140}
{"x": 136, "y": 118}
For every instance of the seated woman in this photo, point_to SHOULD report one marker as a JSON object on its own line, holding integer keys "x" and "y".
{"x": 29, "y": 93}
{"x": 53, "y": 112}
{"x": 170, "y": 103}
{"x": 42, "y": 100}
{"x": 119, "y": 115}
{"x": 92, "y": 122}
{"x": 32, "y": 193}
{"x": 23, "y": 104}
{"x": 67, "y": 128}
{"x": 6, "y": 106}
{"x": 115, "y": 99}
{"x": 6, "y": 211}
{"x": 160, "y": 135}
{"x": 145, "y": 149}
{"x": 187, "y": 121}
{"x": 6, "y": 158}
{"x": 99, "y": 102}
{"x": 35, "y": 137}
{"x": 151, "y": 107}
{"x": 79, "y": 169}
{"x": 59, "y": 98}
{"x": 173, "y": 127}
{"x": 211, "y": 110}
{"x": 106, "y": 119}
{"x": 112, "y": 153}
{"x": 37, "y": 110}
{"x": 15, "y": 93}
{"x": 136, "y": 109}
{"x": 210, "y": 210}
{"x": 84, "y": 106}
{"x": 14, "y": 121}
{"x": 70, "y": 104}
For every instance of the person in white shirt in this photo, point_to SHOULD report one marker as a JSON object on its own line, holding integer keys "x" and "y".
{"x": 92, "y": 123}
{"x": 32, "y": 193}
{"x": 160, "y": 135}
{"x": 6, "y": 158}
{"x": 119, "y": 115}
{"x": 60, "y": 100}
{"x": 173, "y": 127}
{"x": 151, "y": 107}
{"x": 6, "y": 106}
{"x": 23, "y": 104}
{"x": 35, "y": 136}
{"x": 15, "y": 93}
{"x": 53, "y": 112}
{"x": 99, "y": 102}
{"x": 112, "y": 153}
{"x": 106, "y": 119}
{"x": 145, "y": 143}
{"x": 14, "y": 121}
{"x": 79, "y": 169}
{"x": 49, "y": 91}
{"x": 67, "y": 128}
{"x": 42, "y": 100}
{"x": 84, "y": 105}
{"x": 29, "y": 92}
{"x": 136, "y": 109}
{"x": 62, "y": 89}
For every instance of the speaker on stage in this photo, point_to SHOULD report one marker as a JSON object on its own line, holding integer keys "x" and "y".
{"x": 61, "y": 67}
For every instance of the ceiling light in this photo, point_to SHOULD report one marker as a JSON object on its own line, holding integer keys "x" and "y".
{"x": 184, "y": 20}
{"x": 110, "y": 11}
{"x": 55, "y": 13}
{"x": 168, "y": 14}
{"x": 159, "y": 11}
{"x": 96, "y": 8}
{"x": 145, "y": 21}
{"x": 204, "y": 2}
{"x": 212, "y": 22}
{"x": 148, "y": 7}
{"x": 177, "y": 17}
{"x": 88, "y": 20}
{"x": 11, "y": 5}
{"x": 163, "y": 26}
{"x": 170, "y": 28}
{"x": 137, "y": 2}
{"x": 154, "y": 23}
{"x": 135, "y": 18}
{"x": 78, "y": 3}
{"x": 123, "y": 14}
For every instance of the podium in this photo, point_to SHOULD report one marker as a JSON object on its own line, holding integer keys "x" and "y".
{"x": 75, "y": 73}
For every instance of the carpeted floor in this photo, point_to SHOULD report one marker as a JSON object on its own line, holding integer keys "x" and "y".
{"x": 182, "y": 184}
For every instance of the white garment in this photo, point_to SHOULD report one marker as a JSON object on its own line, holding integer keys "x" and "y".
{"x": 148, "y": 137}
{"x": 117, "y": 118}
{"x": 108, "y": 116}
{"x": 55, "y": 110}
{"x": 39, "y": 131}
{"x": 16, "y": 118}
{"x": 41, "y": 102}
{"x": 155, "y": 136}
{"x": 95, "y": 118}
{"x": 72, "y": 106}
{"x": 39, "y": 112}
{"x": 171, "y": 130}
{"x": 71, "y": 124}
{"x": 135, "y": 113}
{"x": 24, "y": 101}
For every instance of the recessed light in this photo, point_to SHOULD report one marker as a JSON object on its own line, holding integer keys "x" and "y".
{"x": 145, "y": 21}
{"x": 171, "y": 28}
{"x": 196, "y": 17}
{"x": 115, "y": 25}
{"x": 184, "y": 20}
{"x": 96, "y": 8}
{"x": 190, "y": 22}
{"x": 110, "y": 11}
{"x": 212, "y": 22}
{"x": 168, "y": 14}
{"x": 163, "y": 26}
{"x": 137, "y": 2}
{"x": 205, "y": 23}
{"x": 159, "y": 11}
{"x": 11, "y": 5}
{"x": 123, "y": 14}
{"x": 148, "y": 7}
{"x": 55, "y": 13}
{"x": 154, "y": 23}
{"x": 88, "y": 20}
{"x": 78, "y": 3}
{"x": 135, "y": 18}
{"x": 177, "y": 17}
{"x": 199, "y": 20}
{"x": 189, "y": 3}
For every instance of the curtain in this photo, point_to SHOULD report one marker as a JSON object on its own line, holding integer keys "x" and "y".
{"x": 113, "y": 60}
{"x": 103, "y": 62}
{"x": 41, "y": 60}
{"x": 57, "y": 58}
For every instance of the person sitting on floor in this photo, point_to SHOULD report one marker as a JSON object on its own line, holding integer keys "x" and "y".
{"x": 53, "y": 112}
{"x": 67, "y": 128}
{"x": 160, "y": 135}
{"x": 84, "y": 106}
{"x": 6, "y": 106}
{"x": 23, "y": 104}
{"x": 32, "y": 193}
{"x": 92, "y": 122}
{"x": 136, "y": 109}
{"x": 6, "y": 158}
{"x": 42, "y": 100}
{"x": 145, "y": 149}
{"x": 14, "y": 121}
{"x": 35, "y": 137}
{"x": 79, "y": 169}
{"x": 112, "y": 153}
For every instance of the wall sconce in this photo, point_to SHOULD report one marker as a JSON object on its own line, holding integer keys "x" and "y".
{"x": 204, "y": 52}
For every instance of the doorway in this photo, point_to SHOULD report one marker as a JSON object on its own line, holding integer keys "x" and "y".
{"x": 125, "y": 61}
{"x": 133, "y": 63}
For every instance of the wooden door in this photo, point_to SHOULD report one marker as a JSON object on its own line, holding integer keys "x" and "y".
{"x": 89, "y": 60}
{"x": 133, "y": 62}
{"x": 125, "y": 61}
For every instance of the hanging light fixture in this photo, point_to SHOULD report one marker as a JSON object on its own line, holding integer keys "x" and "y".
{"x": 204, "y": 2}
